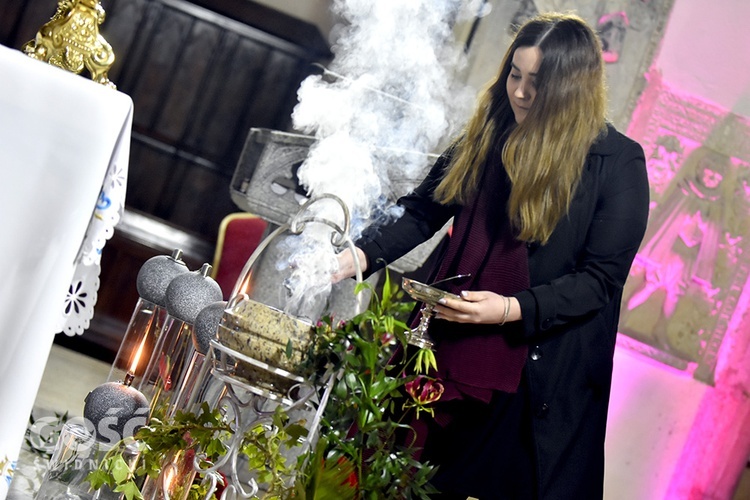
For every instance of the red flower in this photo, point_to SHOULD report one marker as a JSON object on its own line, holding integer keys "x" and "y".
{"x": 351, "y": 479}
{"x": 387, "y": 338}
{"x": 424, "y": 390}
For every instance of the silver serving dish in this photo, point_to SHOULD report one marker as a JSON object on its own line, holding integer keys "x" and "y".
{"x": 430, "y": 295}
{"x": 425, "y": 293}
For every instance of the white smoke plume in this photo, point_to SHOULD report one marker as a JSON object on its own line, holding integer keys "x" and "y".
{"x": 390, "y": 97}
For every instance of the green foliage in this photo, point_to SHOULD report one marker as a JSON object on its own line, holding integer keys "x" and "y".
{"x": 263, "y": 445}
{"x": 188, "y": 433}
{"x": 364, "y": 427}
{"x": 362, "y": 451}
{"x": 115, "y": 473}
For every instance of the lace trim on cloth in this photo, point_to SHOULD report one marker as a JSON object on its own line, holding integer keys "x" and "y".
{"x": 78, "y": 308}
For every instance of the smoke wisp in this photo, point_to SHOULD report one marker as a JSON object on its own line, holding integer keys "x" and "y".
{"x": 389, "y": 98}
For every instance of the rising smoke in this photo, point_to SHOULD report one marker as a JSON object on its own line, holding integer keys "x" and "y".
{"x": 389, "y": 98}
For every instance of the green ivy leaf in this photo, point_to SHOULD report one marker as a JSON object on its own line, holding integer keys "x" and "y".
{"x": 98, "y": 478}
{"x": 296, "y": 432}
{"x": 130, "y": 490}
{"x": 387, "y": 291}
{"x": 215, "y": 448}
{"x": 119, "y": 469}
{"x": 351, "y": 380}
{"x": 363, "y": 285}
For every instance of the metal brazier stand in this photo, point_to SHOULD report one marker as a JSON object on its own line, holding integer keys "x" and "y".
{"x": 251, "y": 369}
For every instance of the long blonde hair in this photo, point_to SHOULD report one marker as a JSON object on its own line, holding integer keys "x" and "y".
{"x": 545, "y": 154}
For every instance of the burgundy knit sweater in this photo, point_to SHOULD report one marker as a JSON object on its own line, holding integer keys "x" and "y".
{"x": 474, "y": 360}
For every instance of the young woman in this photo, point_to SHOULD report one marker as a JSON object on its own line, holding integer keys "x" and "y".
{"x": 550, "y": 205}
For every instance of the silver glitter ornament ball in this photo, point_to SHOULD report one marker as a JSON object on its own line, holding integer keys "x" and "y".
{"x": 114, "y": 407}
{"x": 189, "y": 293}
{"x": 156, "y": 274}
{"x": 206, "y": 325}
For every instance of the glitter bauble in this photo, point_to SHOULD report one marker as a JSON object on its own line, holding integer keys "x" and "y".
{"x": 156, "y": 274}
{"x": 206, "y": 325}
{"x": 189, "y": 293}
{"x": 115, "y": 410}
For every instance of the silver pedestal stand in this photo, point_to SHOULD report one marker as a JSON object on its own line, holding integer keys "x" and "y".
{"x": 430, "y": 297}
{"x": 250, "y": 404}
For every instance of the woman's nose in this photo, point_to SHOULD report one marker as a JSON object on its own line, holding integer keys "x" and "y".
{"x": 521, "y": 92}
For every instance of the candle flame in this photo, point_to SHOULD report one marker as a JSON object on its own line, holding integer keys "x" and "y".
{"x": 246, "y": 286}
{"x": 168, "y": 479}
{"x": 137, "y": 357}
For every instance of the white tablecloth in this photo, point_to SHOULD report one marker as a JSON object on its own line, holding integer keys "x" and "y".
{"x": 64, "y": 147}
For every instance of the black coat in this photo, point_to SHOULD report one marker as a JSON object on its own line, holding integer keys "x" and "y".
{"x": 570, "y": 312}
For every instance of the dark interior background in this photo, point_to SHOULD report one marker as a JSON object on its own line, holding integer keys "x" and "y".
{"x": 200, "y": 75}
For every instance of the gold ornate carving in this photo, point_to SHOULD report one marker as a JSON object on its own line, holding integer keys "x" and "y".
{"x": 71, "y": 40}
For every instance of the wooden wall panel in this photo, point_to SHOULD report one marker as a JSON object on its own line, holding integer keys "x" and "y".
{"x": 199, "y": 80}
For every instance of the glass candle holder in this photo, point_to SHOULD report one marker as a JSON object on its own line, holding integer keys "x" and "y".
{"x": 148, "y": 316}
{"x": 187, "y": 295}
{"x": 76, "y": 454}
{"x": 204, "y": 330}
{"x": 174, "y": 480}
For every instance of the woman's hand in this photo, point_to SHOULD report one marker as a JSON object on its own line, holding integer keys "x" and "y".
{"x": 484, "y": 308}
{"x": 347, "y": 269}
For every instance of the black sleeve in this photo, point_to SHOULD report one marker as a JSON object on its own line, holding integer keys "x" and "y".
{"x": 421, "y": 219}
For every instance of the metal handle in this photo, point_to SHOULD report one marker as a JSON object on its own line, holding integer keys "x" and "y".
{"x": 297, "y": 224}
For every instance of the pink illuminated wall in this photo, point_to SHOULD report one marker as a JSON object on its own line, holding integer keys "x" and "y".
{"x": 694, "y": 263}
{"x": 686, "y": 302}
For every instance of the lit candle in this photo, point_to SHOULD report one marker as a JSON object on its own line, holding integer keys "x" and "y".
{"x": 130, "y": 375}
{"x": 187, "y": 295}
{"x": 150, "y": 312}
{"x": 115, "y": 409}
